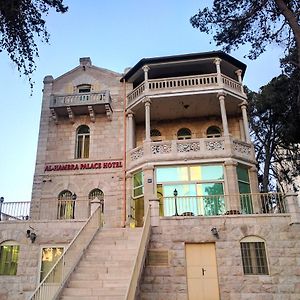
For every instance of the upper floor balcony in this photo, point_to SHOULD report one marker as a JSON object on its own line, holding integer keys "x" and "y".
{"x": 71, "y": 105}
{"x": 192, "y": 149}
{"x": 185, "y": 84}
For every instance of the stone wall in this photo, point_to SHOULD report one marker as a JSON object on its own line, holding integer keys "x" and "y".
{"x": 49, "y": 234}
{"x": 282, "y": 242}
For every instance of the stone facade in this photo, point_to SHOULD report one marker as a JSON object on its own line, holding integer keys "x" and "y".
{"x": 282, "y": 247}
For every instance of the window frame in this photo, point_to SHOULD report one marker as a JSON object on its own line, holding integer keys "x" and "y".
{"x": 64, "y": 204}
{"x": 251, "y": 264}
{"x": 10, "y": 244}
{"x": 134, "y": 188}
{"x": 184, "y": 134}
{"x": 84, "y": 139}
{"x": 214, "y": 135}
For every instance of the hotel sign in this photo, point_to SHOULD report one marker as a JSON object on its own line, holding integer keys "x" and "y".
{"x": 83, "y": 166}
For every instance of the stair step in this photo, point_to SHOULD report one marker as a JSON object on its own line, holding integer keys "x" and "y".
{"x": 94, "y": 292}
{"x": 106, "y": 283}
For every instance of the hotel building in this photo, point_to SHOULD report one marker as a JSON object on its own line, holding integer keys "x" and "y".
{"x": 145, "y": 187}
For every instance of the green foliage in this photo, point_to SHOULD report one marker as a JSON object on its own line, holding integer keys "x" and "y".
{"x": 275, "y": 129}
{"x": 21, "y": 21}
{"x": 258, "y": 22}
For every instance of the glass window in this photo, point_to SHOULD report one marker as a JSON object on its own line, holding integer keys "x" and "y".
{"x": 96, "y": 193}
{"x": 184, "y": 134}
{"x": 155, "y": 135}
{"x": 244, "y": 189}
{"x": 50, "y": 256}
{"x": 213, "y": 132}
{"x": 9, "y": 254}
{"x": 84, "y": 88}
{"x": 207, "y": 172}
{"x": 138, "y": 184}
{"x": 66, "y": 205}
{"x": 82, "y": 142}
{"x": 172, "y": 174}
{"x": 254, "y": 256}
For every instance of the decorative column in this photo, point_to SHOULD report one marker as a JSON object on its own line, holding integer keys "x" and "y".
{"x": 146, "y": 70}
{"x": 217, "y": 62}
{"x": 147, "y": 102}
{"x": 232, "y": 189}
{"x": 239, "y": 76}
{"x": 245, "y": 121}
{"x": 221, "y": 97}
{"x": 131, "y": 136}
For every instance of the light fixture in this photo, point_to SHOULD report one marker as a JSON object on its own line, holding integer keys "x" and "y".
{"x": 215, "y": 232}
{"x": 175, "y": 193}
{"x": 31, "y": 235}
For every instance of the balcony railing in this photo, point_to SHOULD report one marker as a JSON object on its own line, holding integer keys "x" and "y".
{"x": 215, "y": 205}
{"x": 184, "y": 83}
{"x": 80, "y": 99}
{"x": 15, "y": 210}
{"x": 199, "y": 148}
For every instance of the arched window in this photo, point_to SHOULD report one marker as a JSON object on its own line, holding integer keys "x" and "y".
{"x": 254, "y": 256}
{"x": 84, "y": 88}
{"x": 66, "y": 205}
{"x": 213, "y": 132}
{"x": 82, "y": 142}
{"x": 184, "y": 134}
{"x": 9, "y": 255}
{"x": 97, "y": 193}
{"x": 155, "y": 135}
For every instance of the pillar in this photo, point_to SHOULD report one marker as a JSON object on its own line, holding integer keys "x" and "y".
{"x": 148, "y": 171}
{"x": 293, "y": 208}
{"x": 245, "y": 121}
{"x": 154, "y": 211}
{"x": 131, "y": 135}
{"x": 217, "y": 62}
{"x": 147, "y": 103}
{"x": 223, "y": 114}
{"x": 233, "y": 198}
{"x": 146, "y": 70}
{"x": 239, "y": 76}
{"x": 256, "y": 200}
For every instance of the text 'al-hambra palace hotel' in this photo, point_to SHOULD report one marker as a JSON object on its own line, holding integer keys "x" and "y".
{"x": 145, "y": 187}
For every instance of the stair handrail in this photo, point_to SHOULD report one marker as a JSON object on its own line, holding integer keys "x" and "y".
{"x": 139, "y": 259}
{"x": 51, "y": 286}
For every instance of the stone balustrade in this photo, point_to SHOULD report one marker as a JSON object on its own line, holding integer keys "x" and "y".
{"x": 189, "y": 149}
{"x": 184, "y": 83}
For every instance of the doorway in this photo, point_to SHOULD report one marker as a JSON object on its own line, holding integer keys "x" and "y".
{"x": 202, "y": 277}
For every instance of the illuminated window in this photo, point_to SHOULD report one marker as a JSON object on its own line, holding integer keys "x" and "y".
{"x": 9, "y": 254}
{"x": 82, "y": 142}
{"x": 50, "y": 256}
{"x": 66, "y": 205}
{"x": 254, "y": 256}
{"x": 184, "y": 134}
{"x": 213, "y": 132}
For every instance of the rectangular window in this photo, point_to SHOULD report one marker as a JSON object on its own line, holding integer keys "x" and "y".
{"x": 244, "y": 189}
{"x": 138, "y": 184}
{"x": 254, "y": 258}
{"x": 49, "y": 257}
{"x": 172, "y": 174}
{"x": 9, "y": 259}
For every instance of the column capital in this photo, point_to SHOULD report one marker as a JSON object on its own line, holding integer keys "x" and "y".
{"x": 217, "y": 61}
{"x": 238, "y": 72}
{"x": 230, "y": 163}
{"x": 148, "y": 167}
{"x": 244, "y": 104}
{"x": 147, "y": 101}
{"x": 146, "y": 68}
{"x": 221, "y": 95}
{"x": 129, "y": 113}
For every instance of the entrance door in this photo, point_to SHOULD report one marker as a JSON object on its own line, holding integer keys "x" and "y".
{"x": 202, "y": 275}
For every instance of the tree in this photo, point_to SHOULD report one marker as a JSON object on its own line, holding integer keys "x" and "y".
{"x": 21, "y": 21}
{"x": 275, "y": 131}
{"x": 258, "y": 22}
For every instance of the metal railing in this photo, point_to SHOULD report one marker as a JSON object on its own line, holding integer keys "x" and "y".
{"x": 215, "y": 205}
{"x": 15, "y": 210}
{"x": 53, "y": 283}
{"x": 140, "y": 259}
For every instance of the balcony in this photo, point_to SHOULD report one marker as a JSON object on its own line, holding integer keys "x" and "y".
{"x": 80, "y": 104}
{"x": 204, "y": 148}
{"x": 186, "y": 84}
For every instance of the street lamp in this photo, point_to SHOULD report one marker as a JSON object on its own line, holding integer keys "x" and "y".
{"x": 175, "y": 193}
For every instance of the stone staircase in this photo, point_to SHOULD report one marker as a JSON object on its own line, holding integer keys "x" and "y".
{"x": 105, "y": 269}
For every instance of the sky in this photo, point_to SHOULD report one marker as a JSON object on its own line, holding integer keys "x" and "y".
{"x": 115, "y": 34}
